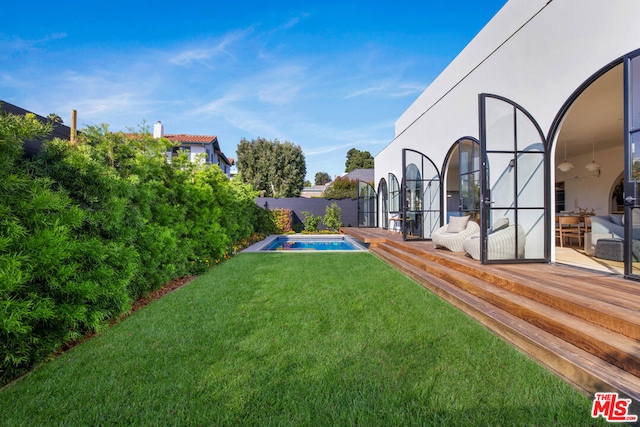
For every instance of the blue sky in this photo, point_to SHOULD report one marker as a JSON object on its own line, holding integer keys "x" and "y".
{"x": 328, "y": 76}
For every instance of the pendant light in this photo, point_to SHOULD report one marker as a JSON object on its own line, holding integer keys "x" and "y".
{"x": 593, "y": 166}
{"x": 565, "y": 166}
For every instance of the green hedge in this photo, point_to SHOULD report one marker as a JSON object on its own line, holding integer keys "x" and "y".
{"x": 87, "y": 230}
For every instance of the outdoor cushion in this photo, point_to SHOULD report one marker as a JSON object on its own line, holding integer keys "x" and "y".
{"x": 457, "y": 224}
{"x": 442, "y": 238}
{"x": 500, "y": 245}
{"x": 501, "y": 223}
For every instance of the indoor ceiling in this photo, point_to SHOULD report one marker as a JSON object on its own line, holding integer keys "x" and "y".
{"x": 596, "y": 116}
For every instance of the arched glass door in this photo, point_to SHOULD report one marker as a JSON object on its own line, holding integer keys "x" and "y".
{"x": 632, "y": 165}
{"x": 421, "y": 196}
{"x": 367, "y": 202}
{"x": 394, "y": 195}
{"x": 512, "y": 183}
{"x": 383, "y": 192}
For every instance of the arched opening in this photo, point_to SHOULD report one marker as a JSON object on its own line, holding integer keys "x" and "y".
{"x": 462, "y": 176}
{"x": 617, "y": 194}
{"x": 421, "y": 196}
{"x": 588, "y": 166}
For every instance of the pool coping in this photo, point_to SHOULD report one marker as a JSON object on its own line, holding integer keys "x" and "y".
{"x": 260, "y": 246}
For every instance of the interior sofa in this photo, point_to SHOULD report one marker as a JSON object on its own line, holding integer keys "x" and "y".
{"x": 613, "y": 224}
{"x": 612, "y": 227}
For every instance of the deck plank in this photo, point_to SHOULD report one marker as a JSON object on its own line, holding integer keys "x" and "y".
{"x": 582, "y": 325}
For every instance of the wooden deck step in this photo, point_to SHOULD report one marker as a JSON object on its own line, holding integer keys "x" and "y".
{"x": 548, "y": 289}
{"x": 613, "y": 347}
{"x": 583, "y": 369}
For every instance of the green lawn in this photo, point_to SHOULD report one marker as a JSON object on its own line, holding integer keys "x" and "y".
{"x": 295, "y": 339}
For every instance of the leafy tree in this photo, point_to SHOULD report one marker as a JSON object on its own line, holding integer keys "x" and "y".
{"x": 54, "y": 118}
{"x": 342, "y": 188}
{"x": 278, "y": 169}
{"x": 322, "y": 178}
{"x": 357, "y": 159}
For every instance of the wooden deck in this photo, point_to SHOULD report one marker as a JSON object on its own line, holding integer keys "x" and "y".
{"x": 582, "y": 325}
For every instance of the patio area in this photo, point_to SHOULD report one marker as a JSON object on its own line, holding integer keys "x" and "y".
{"x": 581, "y": 324}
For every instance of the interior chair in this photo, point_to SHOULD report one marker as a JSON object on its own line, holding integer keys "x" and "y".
{"x": 569, "y": 227}
{"x": 395, "y": 222}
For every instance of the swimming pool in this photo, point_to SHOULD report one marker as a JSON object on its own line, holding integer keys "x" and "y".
{"x": 307, "y": 242}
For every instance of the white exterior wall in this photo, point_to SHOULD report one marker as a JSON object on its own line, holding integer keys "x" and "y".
{"x": 196, "y": 151}
{"x": 534, "y": 52}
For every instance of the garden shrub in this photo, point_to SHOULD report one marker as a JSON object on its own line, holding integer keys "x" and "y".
{"x": 311, "y": 222}
{"x": 282, "y": 220}
{"x": 86, "y": 230}
{"x": 55, "y": 281}
{"x": 331, "y": 218}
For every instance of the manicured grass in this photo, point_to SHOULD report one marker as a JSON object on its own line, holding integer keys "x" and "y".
{"x": 295, "y": 339}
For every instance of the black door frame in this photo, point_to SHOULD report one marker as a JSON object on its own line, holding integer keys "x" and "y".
{"x": 485, "y": 191}
{"x": 403, "y": 193}
{"x": 631, "y": 141}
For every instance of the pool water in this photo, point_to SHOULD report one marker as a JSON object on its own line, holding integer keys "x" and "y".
{"x": 287, "y": 245}
{"x": 312, "y": 243}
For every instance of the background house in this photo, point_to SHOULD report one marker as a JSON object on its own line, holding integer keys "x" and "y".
{"x": 195, "y": 146}
{"x": 364, "y": 175}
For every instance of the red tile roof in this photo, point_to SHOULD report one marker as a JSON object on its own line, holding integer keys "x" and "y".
{"x": 203, "y": 139}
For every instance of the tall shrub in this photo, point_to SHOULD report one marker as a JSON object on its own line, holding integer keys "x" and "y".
{"x": 86, "y": 230}
{"x": 331, "y": 218}
{"x": 56, "y": 281}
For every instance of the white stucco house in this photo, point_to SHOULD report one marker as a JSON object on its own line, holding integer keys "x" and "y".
{"x": 545, "y": 81}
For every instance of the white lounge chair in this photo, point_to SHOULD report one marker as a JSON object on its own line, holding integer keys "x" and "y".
{"x": 452, "y": 240}
{"x": 501, "y": 244}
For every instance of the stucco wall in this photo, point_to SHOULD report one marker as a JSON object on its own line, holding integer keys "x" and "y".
{"x": 536, "y": 53}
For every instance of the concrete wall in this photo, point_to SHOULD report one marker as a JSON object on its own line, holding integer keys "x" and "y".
{"x": 317, "y": 207}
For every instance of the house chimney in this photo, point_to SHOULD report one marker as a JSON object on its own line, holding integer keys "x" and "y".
{"x": 158, "y": 130}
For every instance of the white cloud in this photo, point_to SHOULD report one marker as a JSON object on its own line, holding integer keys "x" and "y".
{"x": 16, "y": 47}
{"x": 365, "y": 91}
{"x": 279, "y": 85}
{"x": 204, "y": 51}
{"x": 235, "y": 85}
{"x": 389, "y": 88}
